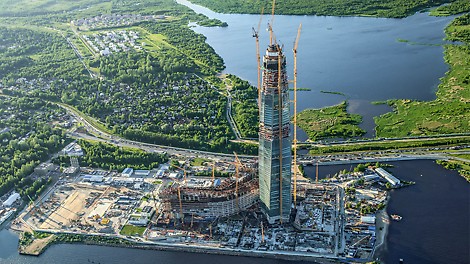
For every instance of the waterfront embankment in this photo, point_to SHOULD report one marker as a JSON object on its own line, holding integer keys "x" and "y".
{"x": 37, "y": 247}
{"x": 382, "y": 224}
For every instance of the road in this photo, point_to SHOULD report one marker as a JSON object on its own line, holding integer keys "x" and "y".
{"x": 232, "y": 123}
{"x": 392, "y": 155}
{"x": 99, "y": 135}
{"x": 384, "y": 140}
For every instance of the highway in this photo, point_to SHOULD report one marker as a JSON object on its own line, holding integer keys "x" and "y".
{"x": 382, "y": 156}
{"x": 383, "y": 140}
{"x": 99, "y": 135}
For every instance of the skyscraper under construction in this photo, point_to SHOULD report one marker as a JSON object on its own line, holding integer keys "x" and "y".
{"x": 274, "y": 138}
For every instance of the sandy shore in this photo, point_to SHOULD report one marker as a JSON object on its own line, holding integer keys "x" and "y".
{"x": 382, "y": 224}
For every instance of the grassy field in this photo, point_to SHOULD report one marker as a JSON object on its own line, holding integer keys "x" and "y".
{"x": 158, "y": 40}
{"x": 198, "y": 161}
{"x": 330, "y": 122}
{"x": 130, "y": 230}
{"x": 463, "y": 156}
{"x": 449, "y": 113}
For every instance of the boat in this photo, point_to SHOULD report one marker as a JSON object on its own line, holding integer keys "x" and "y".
{"x": 6, "y": 216}
{"x": 396, "y": 217}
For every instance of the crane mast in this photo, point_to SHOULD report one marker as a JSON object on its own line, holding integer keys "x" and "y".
{"x": 296, "y": 44}
{"x": 256, "y": 36}
{"x": 272, "y": 39}
{"x": 184, "y": 172}
{"x": 179, "y": 192}
{"x": 213, "y": 173}
{"x": 181, "y": 205}
{"x": 238, "y": 164}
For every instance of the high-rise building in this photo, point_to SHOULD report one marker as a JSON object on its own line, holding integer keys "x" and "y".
{"x": 274, "y": 138}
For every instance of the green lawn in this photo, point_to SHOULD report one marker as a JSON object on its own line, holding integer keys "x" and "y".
{"x": 198, "y": 161}
{"x": 463, "y": 156}
{"x": 157, "y": 182}
{"x": 130, "y": 230}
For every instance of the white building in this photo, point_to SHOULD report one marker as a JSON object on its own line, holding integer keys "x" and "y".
{"x": 389, "y": 177}
{"x": 93, "y": 178}
{"x": 369, "y": 219}
{"x": 141, "y": 173}
{"x": 73, "y": 149}
{"x": 13, "y": 198}
{"x": 127, "y": 172}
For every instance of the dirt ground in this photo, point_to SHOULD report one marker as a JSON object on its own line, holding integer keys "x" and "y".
{"x": 68, "y": 211}
{"x": 37, "y": 246}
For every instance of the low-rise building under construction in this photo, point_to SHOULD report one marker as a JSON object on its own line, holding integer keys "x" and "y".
{"x": 227, "y": 198}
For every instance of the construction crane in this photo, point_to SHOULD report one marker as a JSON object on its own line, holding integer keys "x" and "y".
{"x": 184, "y": 171}
{"x": 237, "y": 160}
{"x": 31, "y": 203}
{"x": 256, "y": 36}
{"x": 213, "y": 174}
{"x": 155, "y": 202}
{"x": 316, "y": 173}
{"x": 192, "y": 220}
{"x": 33, "y": 208}
{"x": 262, "y": 232}
{"x": 210, "y": 230}
{"x": 296, "y": 44}
{"x": 181, "y": 205}
{"x": 238, "y": 164}
{"x": 179, "y": 192}
{"x": 237, "y": 170}
{"x": 272, "y": 39}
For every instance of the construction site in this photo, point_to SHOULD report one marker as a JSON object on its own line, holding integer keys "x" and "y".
{"x": 82, "y": 208}
{"x": 210, "y": 202}
{"x": 261, "y": 206}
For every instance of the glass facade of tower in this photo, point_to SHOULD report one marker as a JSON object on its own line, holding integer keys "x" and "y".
{"x": 274, "y": 138}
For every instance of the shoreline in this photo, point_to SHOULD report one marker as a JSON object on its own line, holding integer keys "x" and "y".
{"x": 291, "y": 256}
{"x": 383, "y": 221}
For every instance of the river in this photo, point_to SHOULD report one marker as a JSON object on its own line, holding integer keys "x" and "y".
{"x": 358, "y": 56}
{"x": 436, "y": 217}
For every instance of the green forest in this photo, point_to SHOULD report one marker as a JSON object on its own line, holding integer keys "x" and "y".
{"x": 111, "y": 157}
{"x": 159, "y": 94}
{"x": 456, "y": 7}
{"x": 244, "y": 106}
{"x": 28, "y": 136}
{"x": 385, "y": 8}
